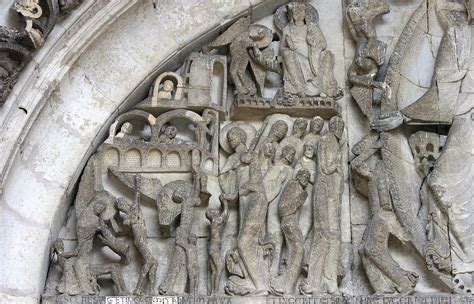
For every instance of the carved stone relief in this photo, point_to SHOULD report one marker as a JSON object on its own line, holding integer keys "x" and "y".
{"x": 17, "y": 45}
{"x": 222, "y": 181}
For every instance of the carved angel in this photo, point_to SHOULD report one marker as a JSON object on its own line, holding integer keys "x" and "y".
{"x": 240, "y": 37}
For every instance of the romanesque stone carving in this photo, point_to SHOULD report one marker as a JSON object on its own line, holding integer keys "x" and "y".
{"x": 250, "y": 254}
{"x": 323, "y": 262}
{"x": 69, "y": 283}
{"x": 308, "y": 65}
{"x": 269, "y": 175}
{"x": 134, "y": 218}
{"x": 16, "y": 45}
{"x": 178, "y": 198}
{"x": 292, "y": 198}
{"x": 384, "y": 273}
{"x": 240, "y": 36}
{"x": 218, "y": 220}
{"x": 370, "y": 52}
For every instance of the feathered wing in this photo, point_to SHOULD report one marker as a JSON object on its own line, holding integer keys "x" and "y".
{"x": 231, "y": 33}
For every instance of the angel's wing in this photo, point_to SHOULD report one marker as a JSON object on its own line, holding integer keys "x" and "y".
{"x": 231, "y": 33}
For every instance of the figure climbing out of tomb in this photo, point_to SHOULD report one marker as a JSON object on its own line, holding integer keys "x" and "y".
{"x": 307, "y": 64}
{"x": 241, "y": 37}
{"x": 295, "y": 139}
{"x": 166, "y": 90}
{"x": 125, "y": 131}
{"x": 370, "y": 52}
{"x": 323, "y": 262}
{"x": 448, "y": 101}
{"x": 133, "y": 217}
{"x": 217, "y": 221}
{"x": 69, "y": 283}
{"x": 274, "y": 182}
{"x": 292, "y": 198}
{"x": 91, "y": 223}
{"x": 168, "y": 136}
{"x": 248, "y": 262}
{"x": 179, "y": 199}
{"x": 437, "y": 250}
{"x": 384, "y": 273}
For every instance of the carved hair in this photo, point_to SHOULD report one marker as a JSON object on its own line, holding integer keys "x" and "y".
{"x": 239, "y": 133}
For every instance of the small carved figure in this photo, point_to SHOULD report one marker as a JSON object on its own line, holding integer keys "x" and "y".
{"x": 229, "y": 179}
{"x": 308, "y": 163}
{"x": 179, "y": 198}
{"x": 274, "y": 181}
{"x": 241, "y": 36}
{"x": 295, "y": 139}
{"x": 384, "y": 273}
{"x": 169, "y": 136}
{"x": 69, "y": 284}
{"x": 292, "y": 198}
{"x": 89, "y": 224}
{"x": 125, "y": 130}
{"x": 308, "y": 65}
{"x": 189, "y": 245}
{"x": 323, "y": 262}
{"x": 370, "y": 52}
{"x": 218, "y": 221}
{"x": 134, "y": 218}
{"x": 251, "y": 250}
{"x": 166, "y": 91}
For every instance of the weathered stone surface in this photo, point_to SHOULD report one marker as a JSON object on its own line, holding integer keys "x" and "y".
{"x": 218, "y": 160}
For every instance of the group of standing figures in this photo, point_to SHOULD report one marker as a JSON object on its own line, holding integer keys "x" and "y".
{"x": 271, "y": 181}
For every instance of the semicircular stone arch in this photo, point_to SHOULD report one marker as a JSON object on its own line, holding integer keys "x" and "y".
{"x": 93, "y": 67}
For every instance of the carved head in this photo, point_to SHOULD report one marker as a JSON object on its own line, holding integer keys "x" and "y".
{"x": 278, "y": 131}
{"x": 171, "y": 132}
{"x": 168, "y": 85}
{"x": 256, "y": 33}
{"x": 317, "y": 124}
{"x": 303, "y": 177}
{"x": 336, "y": 126}
{"x": 288, "y": 154}
{"x": 296, "y": 12}
{"x": 308, "y": 150}
{"x": 268, "y": 150}
{"x": 236, "y": 137}
{"x": 299, "y": 127}
{"x": 126, "y": 128}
